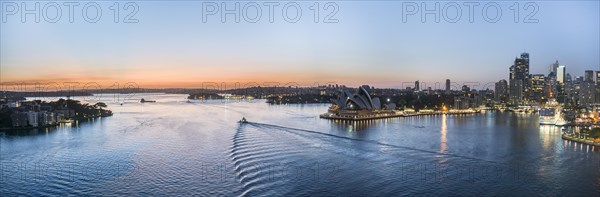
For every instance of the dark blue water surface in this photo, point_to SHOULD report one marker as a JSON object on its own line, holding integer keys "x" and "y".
{"x": 173, "y": 148}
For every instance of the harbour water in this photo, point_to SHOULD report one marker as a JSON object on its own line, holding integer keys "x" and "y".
{"x": 173, "y": 147}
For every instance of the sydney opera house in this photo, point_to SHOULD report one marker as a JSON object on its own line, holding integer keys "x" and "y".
{"x": 358, "y": 106}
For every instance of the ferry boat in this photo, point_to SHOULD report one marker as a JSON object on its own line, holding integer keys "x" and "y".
{"x": 548, "y": 116}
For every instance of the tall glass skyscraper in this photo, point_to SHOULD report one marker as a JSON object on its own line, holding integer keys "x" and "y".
{"x": 561, "y": 74}
{"x": 520, "y": 83}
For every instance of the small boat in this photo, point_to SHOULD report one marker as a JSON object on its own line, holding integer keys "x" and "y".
{"x": 566, "y": 131}
{"x": 243, "y": 120}
{"x": 193, "y": 101}
{"x": 147, "y": 101}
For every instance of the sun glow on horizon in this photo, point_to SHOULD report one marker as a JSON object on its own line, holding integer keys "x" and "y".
{"x": 370, "y": 45}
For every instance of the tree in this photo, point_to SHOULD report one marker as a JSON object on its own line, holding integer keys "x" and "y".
{"x": 402, "y": 103}
{"x": 595, "y": 133}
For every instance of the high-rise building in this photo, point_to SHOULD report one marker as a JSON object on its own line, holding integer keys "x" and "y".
{"x": 462, "y": 102}
{"x": 554, "y": 67}
{"x": 589, "y": 76}
{"x": 551, "y": 86}
{"x": 417, "y": 85}
{"x": 512, "y": 72}
{"x": 587, "y": 93}
{"x": 570, "y": 89}
{"x": 520, "y": 68}
{"x": 519, "y": 74}
{"x": 598, "y": 77}
{"x": 561, "y": 74}
{"x": 501, "y": 91}
{"x": 538, "y": 87}
{"x": 597, "y": 87}
{"x": 447, "y": 85}
{"x": 578, "y": 79}
{"x": 516, "y": 91}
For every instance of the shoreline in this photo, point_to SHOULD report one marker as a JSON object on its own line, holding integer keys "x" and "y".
{"x": 574, "y": 139}
{"x": 48, "y": 126}
{"x": 28, "y": 128}
{"x": 332, "y": 116}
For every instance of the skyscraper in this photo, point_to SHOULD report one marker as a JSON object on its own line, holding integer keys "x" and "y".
{"x": 417, "y": 85}
{"x": 597, "y": 77}
{"x": 569, "y": 88}
{"x": 585, "y": 89}
{"x": 538, "y": 87}
{"x": 519, "y": 79}
{"x": 597, "y": 87}
{"x": 579, "y": 79}
{"x": 589, "y": 76}
{"x": 561, "y": 74}
{"x": 554, "y": 67}
{"x": 521, "y": 68}
{"x": 447, "y": 85}
{"x": 500, "y": 91}
{"x": 516, "y": 91}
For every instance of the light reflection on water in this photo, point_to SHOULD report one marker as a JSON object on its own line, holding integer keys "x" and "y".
{"x": 173, "y": 147}
{"x": 443, "y": 131}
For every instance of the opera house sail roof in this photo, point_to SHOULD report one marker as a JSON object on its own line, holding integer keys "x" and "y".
{"x": 361, "y": 100}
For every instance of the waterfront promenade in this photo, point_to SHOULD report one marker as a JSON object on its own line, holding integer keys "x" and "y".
{"x": 580, "y": 140}
{"x": 394, "y": 114}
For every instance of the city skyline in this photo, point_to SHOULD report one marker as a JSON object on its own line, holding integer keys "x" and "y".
{"x": 299, "y": 98}
{"x": 345, "y": 52}
{"x": 441, "y": 84}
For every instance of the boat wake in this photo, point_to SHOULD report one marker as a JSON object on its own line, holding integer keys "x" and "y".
{"x": 257, "y": 158}
{"x": 289, "y": 129}
{"x": 220, "y": 106}
{"x": 266, "y": 161}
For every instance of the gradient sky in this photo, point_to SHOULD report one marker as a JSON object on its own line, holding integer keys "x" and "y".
{"x": 172, "y": 47}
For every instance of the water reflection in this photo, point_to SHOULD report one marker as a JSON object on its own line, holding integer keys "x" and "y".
{"x": 579, "y": 147}
{"x": 547, "y": 135}
{"x": 199, "y": 149}
{"x": 357, "y": 125}
{"x": 443, "y": 131}
{"x": 47, "y": 130}
{"x": 30, "y": 132}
